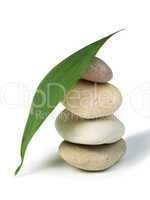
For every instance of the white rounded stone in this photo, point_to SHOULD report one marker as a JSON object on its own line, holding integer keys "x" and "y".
{"x": 90, "y": 132}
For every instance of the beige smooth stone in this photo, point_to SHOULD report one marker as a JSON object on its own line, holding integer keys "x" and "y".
{"x": 92, "y": 158}
{"x": 98, "y": 71}
{"x": 91, "y": 100}
{"x": 77, "y": 130}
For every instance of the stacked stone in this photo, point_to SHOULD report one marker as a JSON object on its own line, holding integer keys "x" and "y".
{"x": 92, "y": 134}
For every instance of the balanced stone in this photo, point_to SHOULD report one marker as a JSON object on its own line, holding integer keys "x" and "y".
{"x": 86, "y": 131}
{"x": 92, "y": 158}
{"x": 91, "y": 100}
{"x": 98, "y": 71}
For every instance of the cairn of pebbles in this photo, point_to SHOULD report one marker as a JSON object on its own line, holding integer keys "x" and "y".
{"x": 92, "y": 134}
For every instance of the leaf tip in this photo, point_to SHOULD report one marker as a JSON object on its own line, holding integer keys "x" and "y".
{"x": 120, "y": 30}
{"x": 18, "y": 168}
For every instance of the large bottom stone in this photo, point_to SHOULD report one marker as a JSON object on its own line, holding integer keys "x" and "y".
{"x": 92, "y": 158}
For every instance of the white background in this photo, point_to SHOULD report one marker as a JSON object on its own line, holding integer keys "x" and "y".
{"x": 34, "y": 36}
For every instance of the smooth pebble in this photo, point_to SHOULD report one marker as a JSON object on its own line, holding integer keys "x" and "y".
{"x": 98, "y": 71}
{"x": 89, "y": 100}
{"x": 92, "y": 158}
{"x": 86, "y": 131}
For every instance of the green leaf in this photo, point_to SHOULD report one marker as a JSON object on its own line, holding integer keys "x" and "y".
{"x": 51, "y": 89}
